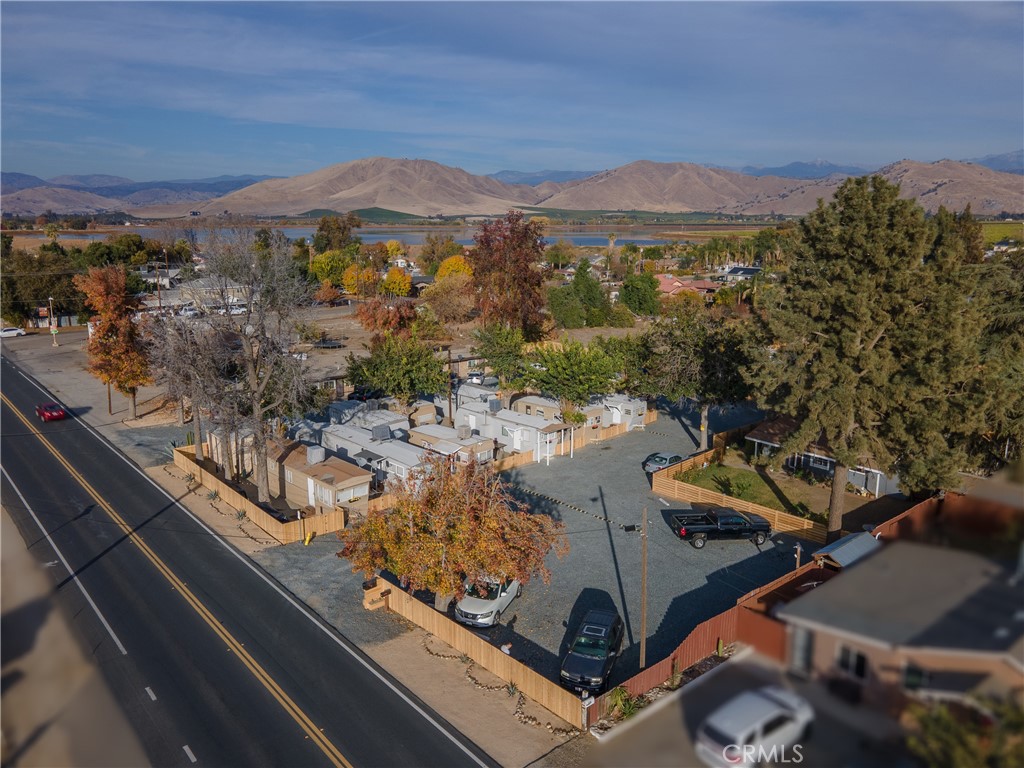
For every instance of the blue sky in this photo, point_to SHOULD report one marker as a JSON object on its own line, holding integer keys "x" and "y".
{"x": 195, "y": 89}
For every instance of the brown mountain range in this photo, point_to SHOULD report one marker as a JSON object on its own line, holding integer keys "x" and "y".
{"x": 426, "y": 188}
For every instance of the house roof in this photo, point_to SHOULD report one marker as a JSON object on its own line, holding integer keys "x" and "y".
{"x": 849, "y": 549}
{"x": 919, "y": 595}
{"x": 774, "y": 432}
{"x": 331, "y": 471}
{"x": 394, "y": 451}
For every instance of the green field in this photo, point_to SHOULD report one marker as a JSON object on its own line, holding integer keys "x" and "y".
{"x": 995, "y": 231}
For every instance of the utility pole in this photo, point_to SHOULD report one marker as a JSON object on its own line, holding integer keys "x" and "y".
{"x": 53, "y": 324}
{"x": 451, "y": 413}
{"x": 643, "y": 592}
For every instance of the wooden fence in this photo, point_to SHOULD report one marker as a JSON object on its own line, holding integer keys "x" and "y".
{"x": 283, "y": 532}
{"x": 699, "y": 644}
{"x": 663, "y": 484}
{"x": 547, "y": 693}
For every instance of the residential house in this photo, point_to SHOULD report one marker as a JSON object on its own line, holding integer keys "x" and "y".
{"x": 212, "y": 292}
{"x": 365, "y": 415}
{"x": 912, "y": 621}
{"x": 549, "y": 408}
{"x": 308, "y": 477}
{"x": 736, "y": 274}
{"x": 460, "y": 443}
{"x": 473, "y": 393}
{"x": 377, "y": 451}
{"x": 515, "y": 432}
{"x": 768, "y": 437}
{"x": 670, "y": 285}
{"x": 623, "y": 409}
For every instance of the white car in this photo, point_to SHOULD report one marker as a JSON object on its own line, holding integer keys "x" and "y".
{"x": 482, "y": 607}
{"x": 8, "y": 332}
{"x": 767, "y": 725}
{"x": 475, "y": 377}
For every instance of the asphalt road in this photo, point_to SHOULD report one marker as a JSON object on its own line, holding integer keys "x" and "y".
{"x": 212, "y": 661}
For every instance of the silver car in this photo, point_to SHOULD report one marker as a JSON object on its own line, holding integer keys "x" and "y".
{"x": 8, "y": 332}
{"x": 766, "y": 725}
{"x": 482, "y": 606}
{"x": 657, "y": 461}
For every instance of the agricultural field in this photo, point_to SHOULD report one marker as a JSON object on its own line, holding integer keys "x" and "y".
{"x": 995, "y": 231}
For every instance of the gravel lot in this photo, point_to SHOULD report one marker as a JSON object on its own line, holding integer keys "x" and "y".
{"x": 595, "y": 494}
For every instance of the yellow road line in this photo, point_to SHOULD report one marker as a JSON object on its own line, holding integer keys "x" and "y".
{"x": 289, "y": 706}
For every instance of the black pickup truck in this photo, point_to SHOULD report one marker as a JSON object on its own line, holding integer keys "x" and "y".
{"x": 698, "y": 527}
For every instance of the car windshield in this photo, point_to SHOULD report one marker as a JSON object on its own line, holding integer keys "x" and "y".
{"x": 487, "y": 592}
{"x": 718, "y": 737}
{"x": 594, "y": 647}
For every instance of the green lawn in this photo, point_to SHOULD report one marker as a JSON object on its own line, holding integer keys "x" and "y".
{"x": 994, "y": 231}
{"x": 788, "y": 494}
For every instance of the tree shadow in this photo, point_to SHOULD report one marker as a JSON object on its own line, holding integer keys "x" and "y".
{"x": 678, "y": 412}
{"x": 20, "y": 627}
{"x": 788, "y": 505}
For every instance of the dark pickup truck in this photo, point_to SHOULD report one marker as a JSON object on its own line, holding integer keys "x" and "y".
{"x": 698, "y": 527}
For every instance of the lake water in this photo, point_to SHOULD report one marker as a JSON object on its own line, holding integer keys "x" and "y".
{"x": 407, "y": 236}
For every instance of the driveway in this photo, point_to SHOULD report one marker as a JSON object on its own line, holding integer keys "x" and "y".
{"x": 599, "y": 493}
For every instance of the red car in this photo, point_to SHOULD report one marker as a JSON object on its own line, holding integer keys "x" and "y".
{"x": 51, "y": 412}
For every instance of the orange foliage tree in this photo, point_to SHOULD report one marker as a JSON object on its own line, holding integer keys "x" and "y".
{"x": 395, "y": 317}
{"x": 117, "y": 354}
{"x": 449, "y": 524}
{"x": 453, "y": 265}
{"x": 397, "y": 282}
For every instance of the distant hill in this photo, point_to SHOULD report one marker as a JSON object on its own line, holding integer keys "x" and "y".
{"x": 1009, "y": 162}
{"x": 424, "y": 188}
{"x": 90, "y": 182}
{"x": 533, "y": 178}
{"x": 818, "y": 169}
{"x": 12, "y": 182}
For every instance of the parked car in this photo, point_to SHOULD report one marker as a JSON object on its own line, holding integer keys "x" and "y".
{"x": 475, "y": 377}
{"x": 657, "y": 461}
{"x": 482, "y": 605}
{"x": 698, "y": 526}
{"x": 51, "y": 412}
{"x": 362, "y": 394}
{"x": 8, "y": 332}
{"x": 591, "y": 655}
{"x": 756, "y": 727}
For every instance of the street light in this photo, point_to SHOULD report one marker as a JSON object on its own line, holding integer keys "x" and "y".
{"x": 53, "y": 326}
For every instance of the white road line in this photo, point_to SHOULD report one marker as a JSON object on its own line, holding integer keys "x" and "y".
{"x": 189, "y": 753}
{"x": 150, "y": 692}
{"x": 71, "y": 571}
{"x": 300, "y": 607}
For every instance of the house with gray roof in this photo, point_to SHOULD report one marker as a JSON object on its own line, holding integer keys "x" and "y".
{"x": 460, "y": 443}
{"x": 912, "y": 621}
{"x": 377, "y": 451}
{"x": 515, "y": 432}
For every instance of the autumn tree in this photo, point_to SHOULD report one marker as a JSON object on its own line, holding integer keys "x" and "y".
{"x": 506, "y": 269}
{"x": 436, "y": 249}
{"x": 452, "y": 298}
{"x": 378, "y": 316}
{"x": 117, "y": 354}
{"x": 561, "y": 254}
{"x": 402, "y": 367}
{"x": 572, "y": 373}
{"x": 453, "y": 265}
{"x": 360, "y": 281}
{"x": 872, "y": 339}
{"x": 327, "y": 293}
{"x": 265, "y": 380}
{"x": 396, "y": 282}
{"x": 450, "y": 524}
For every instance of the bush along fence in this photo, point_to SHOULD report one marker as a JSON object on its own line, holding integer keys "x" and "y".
{"x": 283, "y": 532}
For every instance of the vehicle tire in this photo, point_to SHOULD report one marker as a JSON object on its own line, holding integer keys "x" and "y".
{"x": 497, "y": 619}
{"x": 698, "y": 542}
{"x": 760, "y": 538}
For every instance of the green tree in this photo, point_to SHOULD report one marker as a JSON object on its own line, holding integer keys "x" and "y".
{"x": 331, "y": 266}
{"x": 866, "y": 339}
{"x": 561, "y": 254}
{"x": 640, "y": 294}
{"x": 572, "y": 373}
{"x": 450, "y": 523}
{"x": 335, "y": 233}
{"x": 506, "y": 269}
{"x": 566, "y": 308}
{"x": 501, "y": 348}
{"x": 436, "y": 249}
{"x": 591, "y": 295}
{"x": 402, "y": 367}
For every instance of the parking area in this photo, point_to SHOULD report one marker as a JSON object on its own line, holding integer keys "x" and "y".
{"x": 597, "y": 494}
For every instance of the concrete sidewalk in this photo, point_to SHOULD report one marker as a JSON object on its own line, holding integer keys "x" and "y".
{"x": 470, "y": 698}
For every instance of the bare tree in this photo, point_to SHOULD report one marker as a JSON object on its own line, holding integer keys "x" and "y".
{"x": 252, "y": 301}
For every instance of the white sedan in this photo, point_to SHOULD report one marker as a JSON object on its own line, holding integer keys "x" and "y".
{"x": 8, "y": 332}
{"x": 482, "y": 605}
